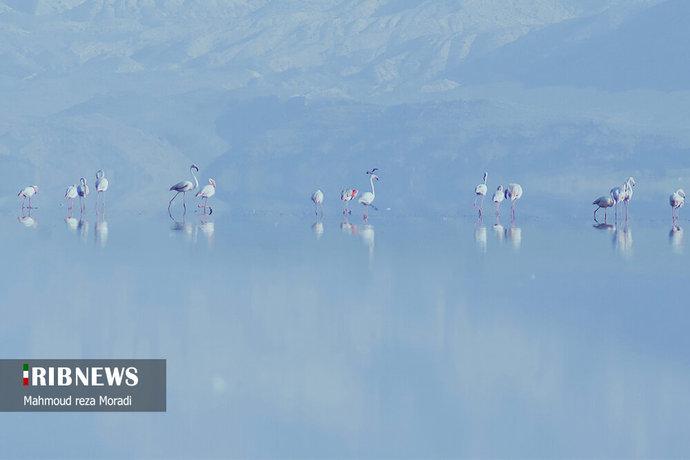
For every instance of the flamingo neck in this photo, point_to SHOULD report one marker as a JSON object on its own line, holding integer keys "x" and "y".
{"x": 196, "y": 182}
{"x": 371, "y": 181}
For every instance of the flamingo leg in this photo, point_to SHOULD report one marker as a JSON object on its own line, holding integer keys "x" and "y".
{"x": 172, "y": 199}
{"x": 184, "y": 202}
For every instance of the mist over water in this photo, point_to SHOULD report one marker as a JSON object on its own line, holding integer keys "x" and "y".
{"x": 288, "y": 336}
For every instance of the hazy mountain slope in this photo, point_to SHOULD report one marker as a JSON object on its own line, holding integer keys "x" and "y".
{"x": 646, "y": 48}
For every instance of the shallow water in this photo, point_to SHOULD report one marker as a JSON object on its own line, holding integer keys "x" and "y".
{"x": 400, "y": 338}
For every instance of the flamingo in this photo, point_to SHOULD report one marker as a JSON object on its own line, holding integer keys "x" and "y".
{"x": 617, "y": 194}
{"x": 70, "y": 195}
{"x": 317, "y": 199}
{"x": 367, "y": 198}
{"x": 101, "y": 185}
{"x": 602, "y": 202}
{"x": 347, "y": 195}
{"x": 480, "y": 191}
{"x": 627, "y": 193}
{"x": 26, "y": 193}
{"x": 676, "y": 200}
{"x": 205, "y": 193}
{"x": 184, "y": 186}
{"x": 83, "y": 191}
{"x": 513, "y": 193}
{"x": 498, "y": 199}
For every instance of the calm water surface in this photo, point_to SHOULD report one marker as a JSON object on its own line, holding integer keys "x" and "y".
{"x": 401, "y": 338}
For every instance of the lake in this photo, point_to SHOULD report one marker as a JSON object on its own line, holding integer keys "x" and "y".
{"x": 400, "y": 337}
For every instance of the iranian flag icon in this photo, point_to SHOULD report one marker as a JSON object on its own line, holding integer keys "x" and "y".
{"x": 25, "y": 374}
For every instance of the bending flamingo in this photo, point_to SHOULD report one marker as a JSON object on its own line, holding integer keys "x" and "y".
{"x": 347, "y": 195}
{"x": 184, "y": 186}
{"x": 317, "y": 199}
{"x": 513, "y": 193}
{"x": 26, "y": 194}
{"x": 498, "y": 199}
{"x": 70, "y": 195}
{"x": 602, "y": 202}
{"x": 205, "y": 193}
{"x": 676, "y": 200}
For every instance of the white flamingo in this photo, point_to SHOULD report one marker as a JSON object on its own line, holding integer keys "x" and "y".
{"x": 602, "y": 202}
{"x": 184, "y": 186}
{"x": 101, "y": 186}
{"x": 676, "y": 200}
{"x": 70, "y": 195}
{"x": 513, "y": 193}
{"x": 26, "y": 193}
{"x": 317, "y": 199}
{"x": 347, "y": 195}
{"x": 83, "y": 191}
{"x": 367, "y": 198}
{"x": 480, "y": 191}
{"x": 623, "y": 194}
{"x": 205, "y": 193}
{"x": 498, "y": 199}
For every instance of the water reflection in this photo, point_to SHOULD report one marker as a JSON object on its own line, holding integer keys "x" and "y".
{"x": 101, "y": 232}
{"x": 322, "y": 345}
{"x": 623, "y": 240}
{"x": 207, "y": 228}
{"x": 499, "y": 232}
{"x": 83, "y": 227}
{"x": 27, "y": 220}
{"x": 317, "y": 228}
{"x": 182, "y": 227}
{"x": 514, "y": 235}
{"x": 480, "y": 237}
{"x": 347, "y": 227}
{"x": 367, "y": 234}
{"x": 675, "y": 237}
{"x": 606, "y": 227}
{"x": 71, "y": 223}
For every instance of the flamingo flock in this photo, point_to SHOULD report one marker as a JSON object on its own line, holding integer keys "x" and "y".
{"x": 617, "y": 195}
{"x": 349, "y": 194}
{"x": 512, "y": 192}
{"x": 620, "y": 195}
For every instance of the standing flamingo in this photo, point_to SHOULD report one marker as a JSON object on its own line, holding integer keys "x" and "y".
{"x": 617, "y": 194}
{"x": 101, "y": 186}
{"x": 83, "y": 191}
{"x": 630, "y": 184}
{"x": 347, "y": 195}
{"x": 70, "y": 195}
{"x": 205, "y": 193}
{"x": 676, "y": 200}
{"x": 317, "y": 199}
{"x": 184, "y": 186}
{"x": 480, "y": 191}
{"x": 498, "y": 199}
{"x": 26, "y": 193}
{"x": 367, "y": 198}
{"x": 513, "y": 193}
{"x": 602, "y": 202}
